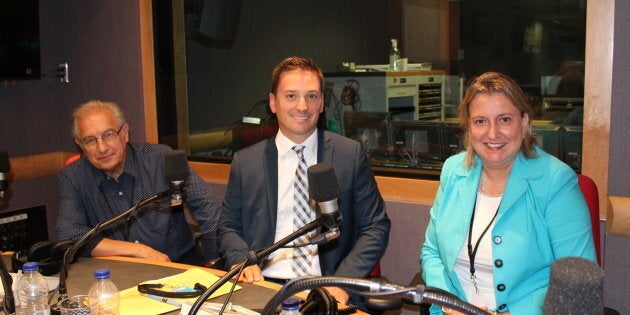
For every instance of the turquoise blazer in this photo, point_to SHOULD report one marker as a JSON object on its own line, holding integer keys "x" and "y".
{"x": 542, "y": 217}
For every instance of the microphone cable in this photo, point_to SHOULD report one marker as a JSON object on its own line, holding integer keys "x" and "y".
{"x": 237, "y": 276}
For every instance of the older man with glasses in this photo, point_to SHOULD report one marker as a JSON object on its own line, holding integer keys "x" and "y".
{"x": 113, "y": 175}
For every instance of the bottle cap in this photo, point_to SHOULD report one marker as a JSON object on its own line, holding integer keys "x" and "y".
{"x": 291, "y": 304}
{"x": 100, "y": 274}
{"x": 30, "y": 266}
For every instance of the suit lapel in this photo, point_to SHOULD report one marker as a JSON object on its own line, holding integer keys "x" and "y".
{"x": 517, "y": 182}
{"x": 325, "y": 149}
{"x": 270, "y": 166}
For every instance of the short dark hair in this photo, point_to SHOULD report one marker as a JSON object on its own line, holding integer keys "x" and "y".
{"x": 295, "y": 63}
{"x": 495, "y": 82}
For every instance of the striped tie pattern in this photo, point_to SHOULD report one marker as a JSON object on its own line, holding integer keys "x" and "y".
{"x": 302, "y": 215}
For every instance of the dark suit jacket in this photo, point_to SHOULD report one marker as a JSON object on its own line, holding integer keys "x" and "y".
{"x": 248, "y": 220}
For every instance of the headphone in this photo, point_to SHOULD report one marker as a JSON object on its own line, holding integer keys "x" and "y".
{"x": 153, "y": 288}
{"x": 349, "y": 94}
{"x": 47, "y": 254}
{"x": 319, "y": 302}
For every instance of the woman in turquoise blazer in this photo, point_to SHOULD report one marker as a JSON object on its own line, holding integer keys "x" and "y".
{"x": 527, "y": 201}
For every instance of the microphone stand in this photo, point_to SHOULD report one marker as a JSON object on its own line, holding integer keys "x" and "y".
{"x": 254, "y": 257}
{"x": 72, "y": 250}
{"x": 7, "y": 284}
{"x": 412, "y": 295}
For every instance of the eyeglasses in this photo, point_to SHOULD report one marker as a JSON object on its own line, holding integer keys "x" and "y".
{"x": 107, "y": 137}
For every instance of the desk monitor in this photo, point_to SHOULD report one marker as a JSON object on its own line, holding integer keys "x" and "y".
{"x": 571, "y": 146}
{"x": 419, "y": 142}
{"x": 549, "y": 137}
{"x": 371, "y": 129}
{"x": 452, "y": 139}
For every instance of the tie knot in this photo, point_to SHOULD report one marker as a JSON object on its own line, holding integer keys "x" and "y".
{"x": 298, "y": 149}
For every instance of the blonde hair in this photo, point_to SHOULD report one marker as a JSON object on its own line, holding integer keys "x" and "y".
{"x": 495, "y": 82}
{"x": 93, "y": 106}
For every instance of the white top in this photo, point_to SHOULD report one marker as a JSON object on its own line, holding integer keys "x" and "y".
{"x": 278, "y": 264}
{"x": 485, "y": 209}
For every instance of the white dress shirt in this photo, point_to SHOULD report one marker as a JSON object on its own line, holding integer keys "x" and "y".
{"x": 278, "y": 264}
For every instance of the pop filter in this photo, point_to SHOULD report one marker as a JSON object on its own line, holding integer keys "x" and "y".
{"x": 575, "y": 287}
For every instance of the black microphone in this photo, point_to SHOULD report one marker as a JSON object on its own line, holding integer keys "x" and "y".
{"x": 175, "y": 172}
{"x": 576, "y": 286}
{"x": 8, "y": 304}
{"x": 4, "y": 169}
{"x": 324, "y": 188}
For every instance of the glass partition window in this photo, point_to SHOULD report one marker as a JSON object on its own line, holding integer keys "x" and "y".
{"x": 406, "y": 120}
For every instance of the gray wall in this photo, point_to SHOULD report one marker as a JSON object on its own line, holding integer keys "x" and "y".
{"x": 99, "y": 39}
{"x": 616, "y": 248}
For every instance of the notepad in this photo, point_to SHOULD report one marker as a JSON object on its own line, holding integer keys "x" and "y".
{"x": 133, "y": 302}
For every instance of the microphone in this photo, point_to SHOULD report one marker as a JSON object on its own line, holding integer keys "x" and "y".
{"x": 576, "y": 286}
{"x": 324, "y": 188}
{"x": 7, "y": 284}
{"x": 175, "y": 172}
{"x": 4, "y": 169}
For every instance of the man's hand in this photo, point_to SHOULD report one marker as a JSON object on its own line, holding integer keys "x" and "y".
{"x": 250, "y": 274}
{"x": 147, "y": 252}
{"x": 339, "y": 294}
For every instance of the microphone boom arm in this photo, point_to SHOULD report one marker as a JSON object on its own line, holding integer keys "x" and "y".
{"x": 413, "y": 295}
{"x": 252, "y": 258}
{"x": 72, "y": 250}
{"x": 7, "y": 283}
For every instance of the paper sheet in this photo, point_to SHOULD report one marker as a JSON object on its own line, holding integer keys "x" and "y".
{"x": 133, "y": 302}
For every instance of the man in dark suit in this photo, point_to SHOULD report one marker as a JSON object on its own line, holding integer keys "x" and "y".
{"x": 259, "y": 204}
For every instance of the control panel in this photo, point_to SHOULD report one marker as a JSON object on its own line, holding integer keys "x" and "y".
{"x": 19, "y": 229}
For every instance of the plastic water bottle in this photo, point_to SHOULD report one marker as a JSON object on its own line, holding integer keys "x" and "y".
{"x": 32, "y": 291}
{"x": 103, "y": 294}
{"x": 394, "y": 55}
{"x": 291, "y": 306}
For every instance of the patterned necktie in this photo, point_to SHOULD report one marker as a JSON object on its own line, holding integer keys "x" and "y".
{"x": 302, "y": 215}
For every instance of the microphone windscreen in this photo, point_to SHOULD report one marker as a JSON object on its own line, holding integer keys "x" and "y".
{"x": 175, "y": 165}
{"x": 322, "y": 182}
{"x": 576, "y": 286}
{"x": 4, "y": 162}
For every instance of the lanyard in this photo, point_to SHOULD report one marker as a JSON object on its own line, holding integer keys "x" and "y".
{"x": 472, "y": 252}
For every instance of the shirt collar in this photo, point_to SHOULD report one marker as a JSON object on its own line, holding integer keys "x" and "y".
{"x": 130, "y": 165}
{"x": 285, "y": 145}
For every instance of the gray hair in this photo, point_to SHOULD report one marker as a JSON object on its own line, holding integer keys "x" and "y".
{"x": 93, "y": 106}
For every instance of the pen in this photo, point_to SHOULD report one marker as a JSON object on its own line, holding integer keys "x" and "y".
{"x": 165, "y": 300}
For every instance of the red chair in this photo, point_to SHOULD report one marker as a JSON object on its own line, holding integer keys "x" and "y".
{"x": 589, "y": 189}
{"x": 376, "y": 272}
{"x": 71, "y": 159}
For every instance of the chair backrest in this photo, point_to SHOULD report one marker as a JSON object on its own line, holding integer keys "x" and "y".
{"x": 71, "y": 159}
{"x": 589, "y": 189}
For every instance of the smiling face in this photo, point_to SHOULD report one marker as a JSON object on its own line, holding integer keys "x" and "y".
{"x": 297, "y": 104}
{"x": 496, "y": 130}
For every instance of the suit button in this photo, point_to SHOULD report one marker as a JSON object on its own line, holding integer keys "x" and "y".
{"x": 502, "y": 306}
{"x": 501, "y": 287}
{"x": 497, "y": 240}
{"x": 498, "y": 263}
